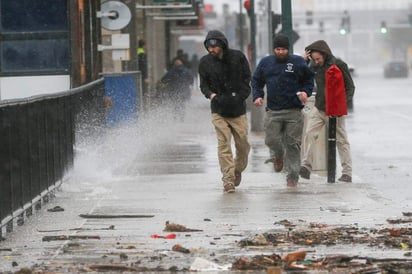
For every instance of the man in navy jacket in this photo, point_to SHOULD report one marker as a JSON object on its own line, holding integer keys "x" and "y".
{"x": 289, "y": 82}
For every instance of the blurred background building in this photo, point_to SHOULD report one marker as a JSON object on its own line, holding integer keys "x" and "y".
{"x": 363, "y": 32}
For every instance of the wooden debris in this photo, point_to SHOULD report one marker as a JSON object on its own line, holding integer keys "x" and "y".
{"x": 56, "y": 209}
{"x": 70, "y": 237}
{"x": 111, "y": 216}
{"x": 179, "y": 248}
{"x": 399, "y": 221}
{"x": 294, "y": 256}
{"x": 171, "y": 227}
{"x": 111, "y": 227}
{"x": 113, "y": 267}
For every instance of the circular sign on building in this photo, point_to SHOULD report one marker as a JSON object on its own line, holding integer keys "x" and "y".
{"x": 116, "y": 15}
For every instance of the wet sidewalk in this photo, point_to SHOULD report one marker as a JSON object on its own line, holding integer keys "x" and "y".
{"x": 125, "y": 186}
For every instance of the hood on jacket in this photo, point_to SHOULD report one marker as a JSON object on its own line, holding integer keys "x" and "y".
{"x": 218, "y": 35}
{"x": 320, "y": 46}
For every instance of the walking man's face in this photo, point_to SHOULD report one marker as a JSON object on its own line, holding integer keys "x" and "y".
{"x": 215, "y": 51}
{"x": 281, "y": 54}
{"x": 317, "y": 58}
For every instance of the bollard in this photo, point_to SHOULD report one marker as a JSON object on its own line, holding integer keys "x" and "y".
{"x": 332, "y": 150}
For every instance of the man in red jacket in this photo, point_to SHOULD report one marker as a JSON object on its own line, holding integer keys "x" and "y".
{"x": 321, "y": 60}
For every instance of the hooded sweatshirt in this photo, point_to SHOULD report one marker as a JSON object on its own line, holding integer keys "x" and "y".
{"x": 228, "y": 77}
{"x": 320, "y": 73}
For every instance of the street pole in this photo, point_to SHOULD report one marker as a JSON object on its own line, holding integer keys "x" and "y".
{"x": 253, "y": 33}
{"x": 256, "y": 113}
{"x": 270, "y": 27}
{"x": 240, "y": 21}
{"x": 287, "y": 21}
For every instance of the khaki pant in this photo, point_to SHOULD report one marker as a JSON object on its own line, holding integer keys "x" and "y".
{"x": 226, "y": 128}
{"x": 317, "y": 119}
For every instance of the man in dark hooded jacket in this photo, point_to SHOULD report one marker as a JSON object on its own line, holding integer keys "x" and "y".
{"x": 225, "y": 80}
{"x": 321, "y": 60}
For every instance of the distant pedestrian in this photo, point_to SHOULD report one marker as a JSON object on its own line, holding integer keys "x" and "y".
{"x": 177, "y": 87}
{"x": 143, "y": 66}
{"x": 183, "y": 56}
{"x": 289, "y": 82}
{"x": 321, "y": 60}
{"x": 225, "y": 80}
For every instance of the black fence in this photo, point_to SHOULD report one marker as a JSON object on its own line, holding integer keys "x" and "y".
{"x": 37, "y": 136}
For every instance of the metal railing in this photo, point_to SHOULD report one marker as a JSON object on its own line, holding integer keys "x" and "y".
{"x": 37, "y": 136}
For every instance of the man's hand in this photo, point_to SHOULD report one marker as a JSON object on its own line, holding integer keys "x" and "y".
{"x": 258, "y": 102}
{"x": 306, "y": 55}
{"x": 302, "y": 96}
{"x": 212, "y": 96}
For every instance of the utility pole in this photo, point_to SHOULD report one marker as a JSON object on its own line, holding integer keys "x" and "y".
{"x": 287, "y": 21}
{"x": 256, "y": 113}
{"x": 240, "y": 22}
{"x": 270, "y": 26}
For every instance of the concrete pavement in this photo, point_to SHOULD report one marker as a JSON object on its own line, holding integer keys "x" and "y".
{"x": 168, "y": 171}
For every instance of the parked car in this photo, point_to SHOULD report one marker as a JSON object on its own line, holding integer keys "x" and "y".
{"x": 395, "y": 69}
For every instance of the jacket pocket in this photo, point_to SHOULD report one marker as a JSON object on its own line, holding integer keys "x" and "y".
{"x": 230, "y": 105}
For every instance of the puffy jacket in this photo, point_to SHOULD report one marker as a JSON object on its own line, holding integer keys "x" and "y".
{"x": 228, "y": 77}
{"x": 320, "y": 73}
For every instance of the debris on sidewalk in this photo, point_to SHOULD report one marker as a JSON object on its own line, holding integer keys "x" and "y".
{"x": 285, "y": 223}
{"x": 179, "y": 248}
{"x": 111, "y": 227}
{"x": 56, "y": 209}
{"x": 70, "y": 237}
{"x": 168, "y": 236}
{"x": 172, "y": 227}
{"x": 296, "y": 261}
{"x": 399, "y": 221}
{"x": 257, "y": 262}
{"x": 201, "y": 264}
{"x": 112, "y": 216}
{"x": 257, "y": 240}
{"x": 294, "y": 256}
{"x": 112, "y": 267}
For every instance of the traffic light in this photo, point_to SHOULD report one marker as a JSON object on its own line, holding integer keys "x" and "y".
{"x": 209, "y": 12}
{"x": 384, "y": 28}
{"x": 247, "y": 5}
{"x": 345, "y": 23}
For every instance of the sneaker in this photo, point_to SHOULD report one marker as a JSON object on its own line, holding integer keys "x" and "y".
{"x": 345, "y": 178}
{"x": 229, "y": 188}
{"x": 278, "y": 164}
{"x": 291, "y": 183}
{"x": 238, "y": 178}
{"x": 304, "y": 173}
